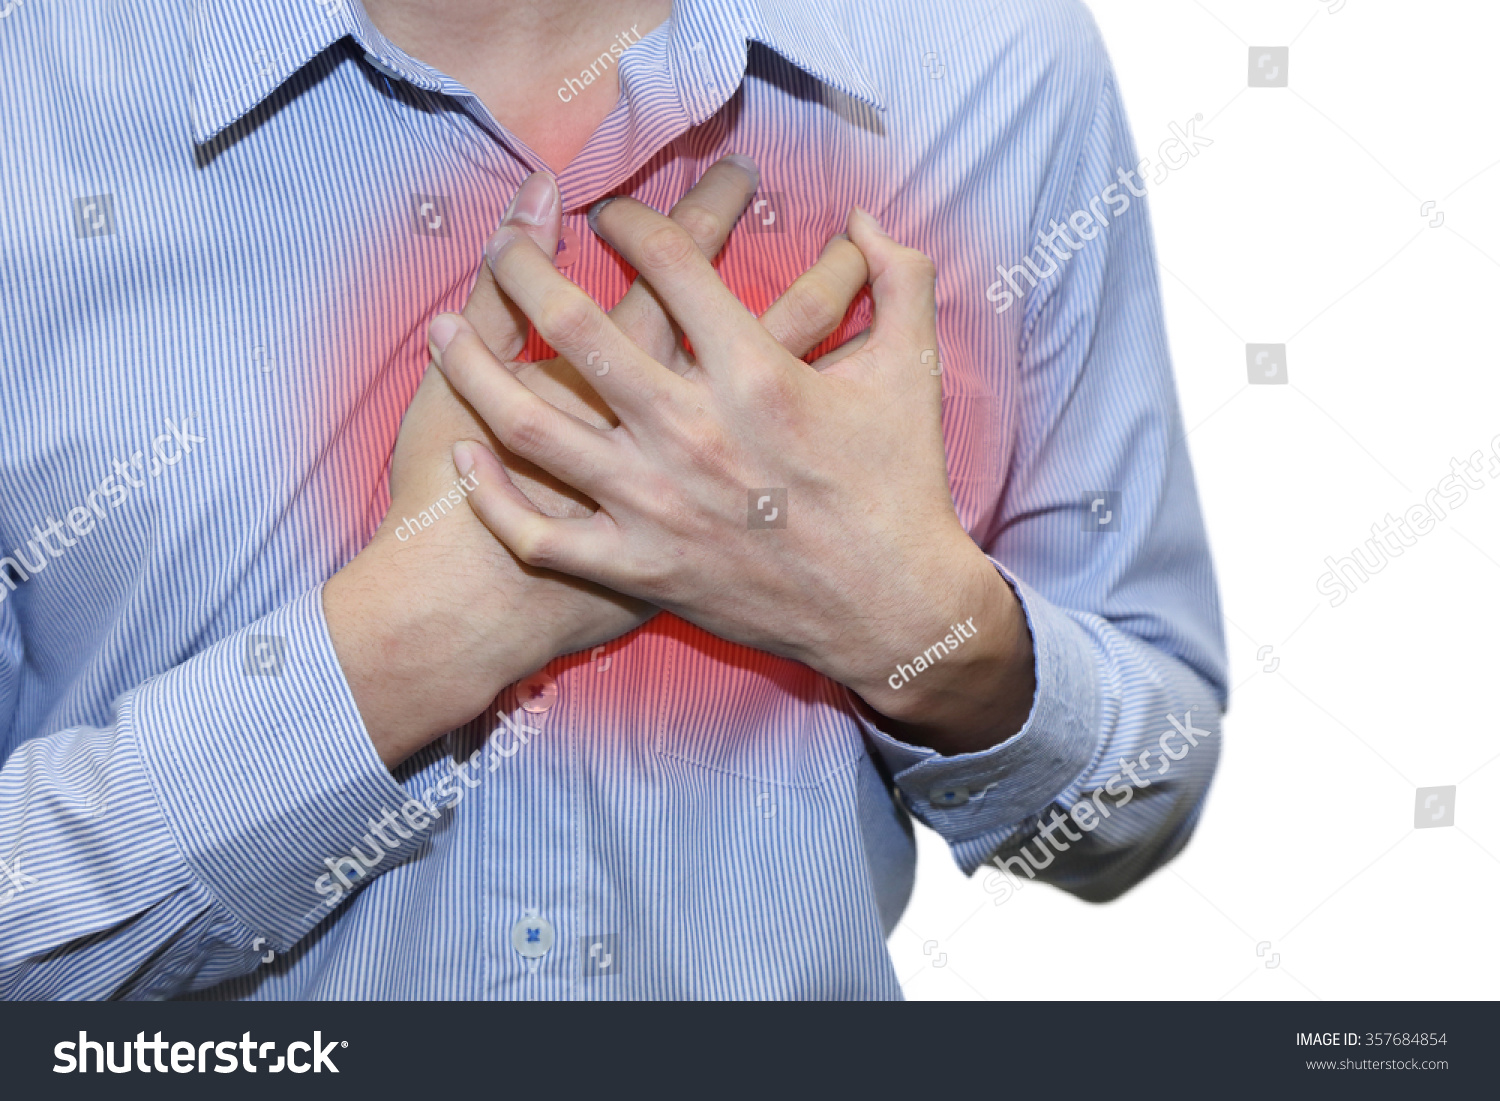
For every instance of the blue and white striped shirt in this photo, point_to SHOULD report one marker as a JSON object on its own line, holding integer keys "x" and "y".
{"x": 225, "y": 236}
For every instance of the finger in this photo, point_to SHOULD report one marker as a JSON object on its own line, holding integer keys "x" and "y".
{"x": 634, "y": 384}
{"x": 815, "y": 305}
{"x": 536, "y": 210}
{"x": 666, "y": 257}
{"x": 903, "y": 283}
{"x": 843, "y": 351}
{"x": 708, "y": 213}
{"x": 564, "y": 446}
{"x": 575, "y": 546}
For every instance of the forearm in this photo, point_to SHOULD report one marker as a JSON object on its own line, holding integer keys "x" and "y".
{"x": 416, "y": 664}
{"x": 430, "y": 631}
{"x": 239, "y": 780}
{"x": 959, "y": 676}
{"x": 431, "y": 622}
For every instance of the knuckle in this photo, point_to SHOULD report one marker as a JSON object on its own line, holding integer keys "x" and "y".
{"x": 777, "y": 391}
{"x": 666, "y": 247}
{"x": 536, "y": 546}
{"x": 770, "y": 386}
{"x": 703, "y": 225}
{"x": 706, "y": 445}
{"x": 569, "y": 320}
{"x": 526, "y": 430}
{"x": 773, "y": 393}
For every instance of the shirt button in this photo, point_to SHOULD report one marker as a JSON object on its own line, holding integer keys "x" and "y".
{"x": 536, "y": 693}
{"x": 568, "y": 247}
{"x": 532, "y": 936}
{"x": 948, "y": 795}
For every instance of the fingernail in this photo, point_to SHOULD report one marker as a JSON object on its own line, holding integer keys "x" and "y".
{"x": 533, "y": 202}
{"x": 504, "y": 237}
{"x": 441, "y": 332}
{"x": 463, "y": 457}
{"x": 745, "y": 163}
{"x": 596, "y": 208}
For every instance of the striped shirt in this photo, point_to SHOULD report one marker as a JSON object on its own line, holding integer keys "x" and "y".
{"x": 226, "y": 234}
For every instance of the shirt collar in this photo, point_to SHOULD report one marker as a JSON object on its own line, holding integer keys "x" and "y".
{"x": 714, "y": 34}
{"x": 806, "y": 33}
{"x": 243, "y": 50}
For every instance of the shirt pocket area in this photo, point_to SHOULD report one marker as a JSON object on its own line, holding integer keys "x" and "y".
{"x": 745, "y": 713}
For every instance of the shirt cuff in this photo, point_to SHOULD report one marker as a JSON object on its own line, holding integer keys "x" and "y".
{"x": 264, "y": 772}
{"x": 978, "y": 800}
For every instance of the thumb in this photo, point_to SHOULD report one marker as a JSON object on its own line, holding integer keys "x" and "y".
{"x": 536, "y": 211}
{"x": 902, "y": 284}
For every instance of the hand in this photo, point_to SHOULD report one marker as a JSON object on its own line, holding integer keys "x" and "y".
{"x": 430, "y": 624}
{"x": 872, "y": 565}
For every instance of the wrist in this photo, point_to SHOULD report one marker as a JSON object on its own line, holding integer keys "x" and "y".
{"x": 959, "y": 677}
{"x": 419, "y": 661}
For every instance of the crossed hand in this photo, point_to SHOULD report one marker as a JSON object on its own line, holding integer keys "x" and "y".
{"x": 601, "y": 495}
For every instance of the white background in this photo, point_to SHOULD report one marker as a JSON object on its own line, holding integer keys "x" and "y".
{"x": 1302, "y": 224}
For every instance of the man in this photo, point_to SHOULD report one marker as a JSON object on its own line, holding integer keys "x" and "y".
{"x": 255, "y": 738}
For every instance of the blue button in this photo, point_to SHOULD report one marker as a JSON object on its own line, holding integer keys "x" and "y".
{"x": 948, "y": 795}
{"x": 532, "y": 936}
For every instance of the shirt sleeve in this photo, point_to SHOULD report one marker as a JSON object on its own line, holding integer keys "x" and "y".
{"x": 1105, "y": 780}
{"x": 173, "y": 848}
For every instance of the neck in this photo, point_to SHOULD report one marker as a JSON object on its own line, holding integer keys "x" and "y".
{"x": 467, "y": 30}
{"x": 515, "y": 55}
